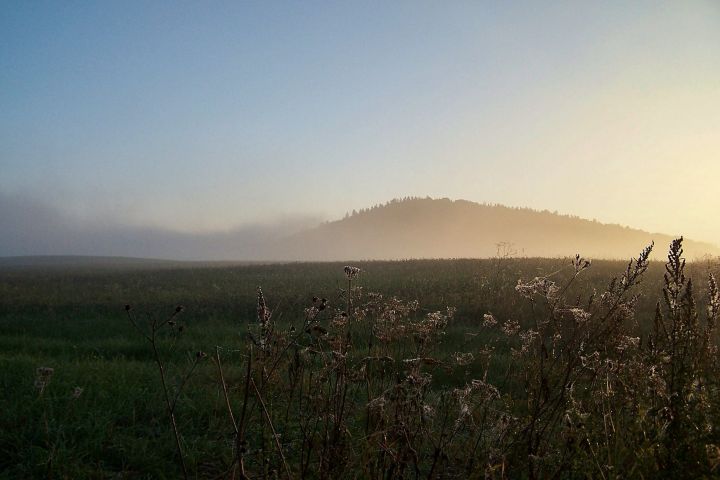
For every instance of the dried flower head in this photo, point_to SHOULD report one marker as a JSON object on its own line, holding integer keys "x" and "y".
{"x": 580, "y": 263}
{"x": 510, "y": 327}
{"x": 537, "y": 286}
{"x": 311, "y": 312}
{"x": 351, "y": 272}
{"x": 463, "y": 359}
{"x": 713, "y": 307}
{"x": 625, "y": 342}
{"x": 263, "y": 312}
{"x": 578, "y": 314}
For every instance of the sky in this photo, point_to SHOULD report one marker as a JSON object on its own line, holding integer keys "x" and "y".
{"x": 209, "y": 116}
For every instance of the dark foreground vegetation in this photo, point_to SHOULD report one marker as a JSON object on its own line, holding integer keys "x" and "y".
{"x": 500, "y": 368}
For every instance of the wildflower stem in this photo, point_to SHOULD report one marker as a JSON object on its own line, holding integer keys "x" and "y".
{"x": 170, "y": 407}
{"x": 224, "y": 387}
{"x": 272, "y": 429}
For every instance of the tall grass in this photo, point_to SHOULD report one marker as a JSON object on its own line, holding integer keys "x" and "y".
{"x": 361, "y": 389}
{"x": 536, "y": 375}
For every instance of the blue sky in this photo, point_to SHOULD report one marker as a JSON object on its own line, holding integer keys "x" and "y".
{"x": 202, "y": 116}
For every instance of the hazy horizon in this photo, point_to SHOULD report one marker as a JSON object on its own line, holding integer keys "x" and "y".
{"x": 398, "y": 229}
{"x": 268, "y": 118}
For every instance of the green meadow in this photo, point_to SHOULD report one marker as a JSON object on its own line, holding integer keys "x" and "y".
{"x": 306, "y": 381}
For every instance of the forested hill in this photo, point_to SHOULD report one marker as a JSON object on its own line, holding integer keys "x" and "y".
{"x": 443, "y": 228}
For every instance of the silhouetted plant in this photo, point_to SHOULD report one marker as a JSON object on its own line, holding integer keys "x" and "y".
{"x": 170, "y": 397}
{"x": 370, "y": 386}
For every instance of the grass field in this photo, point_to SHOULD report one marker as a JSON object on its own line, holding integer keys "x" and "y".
{"x": 329, "y": 385}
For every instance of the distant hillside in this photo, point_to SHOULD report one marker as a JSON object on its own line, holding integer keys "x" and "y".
{"x": 64, "y": 261}
{"x": 88, "y": 262}
{"x": 443, "y": 228}
{"x": 400, "y": 229}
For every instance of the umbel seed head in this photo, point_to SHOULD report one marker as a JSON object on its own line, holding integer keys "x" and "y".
{"x": 351, "y": 272}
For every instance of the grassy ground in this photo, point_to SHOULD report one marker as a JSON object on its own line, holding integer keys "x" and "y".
{"x": 73, "y": 320}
